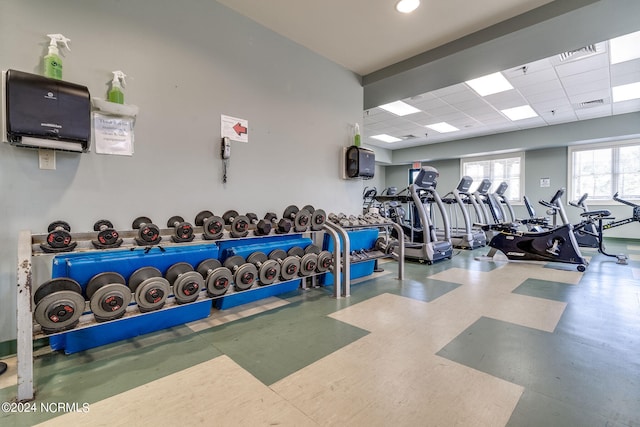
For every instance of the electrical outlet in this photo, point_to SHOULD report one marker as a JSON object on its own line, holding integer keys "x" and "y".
{"x": 47, "y": 158}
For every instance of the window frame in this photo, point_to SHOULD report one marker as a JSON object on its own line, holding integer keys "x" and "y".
{"x": 520, "y": 154}
{"x": 598, "y": 146}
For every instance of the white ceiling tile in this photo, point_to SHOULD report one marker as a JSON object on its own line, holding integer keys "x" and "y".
{"x": 586, "y": 77}
{"x": 626, "y": 78}
{"x": 600, "y": 60}
{"x": 626, "y": 106}
{"x": 531, "y": 122}
{"x": 546, "y": 86}
{"x": 550, "y": 96}
{"x": 430, "y": 103}
{"x": 508, "y": 99}
{"x": 460, "y": 87}
{"x": 627, "y": 67}
{"x": 460, "y": 96}
{"x": 590, "y": 96}
{"x": 441, "y": 111}
{"x": 589, "y": 87}
{"x": 558, "y": 115}
{"x": 533, "y": 78}
{"x": 475, "y": 104}
{"x": 591, "y": 113}
{"x": 556, "y": 104}
{"x": 565, "y": 118}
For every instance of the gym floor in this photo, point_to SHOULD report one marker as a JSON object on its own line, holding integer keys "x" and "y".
{"x": 461, "y": 342}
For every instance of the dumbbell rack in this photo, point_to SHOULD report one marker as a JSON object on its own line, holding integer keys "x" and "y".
{"x": 29, "y": 251}
{"x": 343, "y": 232}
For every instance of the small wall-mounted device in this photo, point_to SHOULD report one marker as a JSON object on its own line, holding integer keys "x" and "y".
{"x": 45, "y": 113}
{"x": 359, "y": 162}
{"x": 225, "y": 148}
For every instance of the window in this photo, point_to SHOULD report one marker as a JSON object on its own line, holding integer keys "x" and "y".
{"x": 508, "y": 168}
{"x": 601, "y": 170}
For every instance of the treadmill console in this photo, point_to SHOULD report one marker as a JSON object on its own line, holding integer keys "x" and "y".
{"x": 464, "y": 184}
{"x": 427, "y": 177}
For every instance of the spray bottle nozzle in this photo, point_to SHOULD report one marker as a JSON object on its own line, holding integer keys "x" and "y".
{"x": 118, "y": 78}
{"x": 58, "y": 38}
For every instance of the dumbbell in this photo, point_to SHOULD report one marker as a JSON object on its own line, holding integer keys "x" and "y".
{"x": 108, "y": 237}
{"x": 289, "y": 265}
{"x": 318, "y": 218}
{"x": 149, "y": 288}
{"x": 217, "y": 277}
{"x": 308, "y": 261}
{"x": 108, "y": 296}
{"x": 300, "y": 217}
{"x": 268, "y": 269}
{"x": 186, "y": 282}
{"x": 339, "y": 219}
{"x": 59, "y": 238}
{"x": 263, "y": 227}
{"x": 212, "y": 225}
{"x": 244, "y": 273}
{"x": 239, "y": 224}
{"x": 183, "y": 231}
{"x": 282, "y": 227}
{"x": 148, "y": 232}
{"x": 59, "y": 304}
{"x": 325, "y": 258}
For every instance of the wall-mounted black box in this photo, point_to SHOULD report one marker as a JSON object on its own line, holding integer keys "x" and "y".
{"x": 360, "y": 162}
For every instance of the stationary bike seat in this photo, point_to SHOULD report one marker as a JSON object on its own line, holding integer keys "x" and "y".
{"x": 601, "y": 213}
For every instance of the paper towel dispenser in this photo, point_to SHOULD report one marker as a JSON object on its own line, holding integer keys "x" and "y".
{"x": 44, "y": 112}
{"x": 360, "y": 162}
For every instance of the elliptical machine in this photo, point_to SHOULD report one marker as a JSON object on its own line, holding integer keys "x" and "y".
{"x": 555, "y": 245}
{"x": 587, "y": 236}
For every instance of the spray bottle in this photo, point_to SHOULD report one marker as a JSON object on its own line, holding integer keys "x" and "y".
{"x": 116, "y": 93}
{"x": 356, "y": 135}
{"x": 52, "y": 61}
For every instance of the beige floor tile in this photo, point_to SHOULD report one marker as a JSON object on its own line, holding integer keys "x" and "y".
{"x": 634, "y": 257}
{"x": 10, "y": 377}
{"x": 217, "y": 392}
{"x": 633, "y": 247}
{"x": 636, "y": 273}
{"x": 219, "y": 317}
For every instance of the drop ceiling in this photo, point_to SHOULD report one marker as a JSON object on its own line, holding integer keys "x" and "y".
{"x": 369, "y": 37}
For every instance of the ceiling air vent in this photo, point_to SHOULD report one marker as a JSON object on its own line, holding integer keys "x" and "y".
{"x": 589, "y": 104}
{"x": 589, "y": 50}
{"x": 410, "y": 136}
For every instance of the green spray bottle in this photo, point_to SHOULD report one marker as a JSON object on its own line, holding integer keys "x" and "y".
{"x": 52, "y": 60}
{"x": 116, "y": 93}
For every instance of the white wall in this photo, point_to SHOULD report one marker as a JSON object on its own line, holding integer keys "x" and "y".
{"x": 188, "y": 62}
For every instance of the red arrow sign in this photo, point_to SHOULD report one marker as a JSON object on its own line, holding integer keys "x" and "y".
{"x": 239, "y": 129}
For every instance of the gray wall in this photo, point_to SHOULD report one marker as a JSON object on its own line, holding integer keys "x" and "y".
{"x": 188, "y": 62}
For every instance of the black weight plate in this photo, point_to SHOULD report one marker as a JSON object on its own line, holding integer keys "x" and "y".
{"x": 245, "y": 276}
{"x": 234, "y": 261}
{"x": 218, "y": 281}
{"x": 102, "y": 223}
{"x": 213, "y": 228}
{"x": 296, "y": 251}
{"x": 277, "y": 254}
{"x": 240, "y": 226}
{"x": 312, "y": 249}
{"x": 290, "y": 212}
{"x": 269, "y": 272}
{"x": 290, "y": 268}
{"x": 109, "y": 237}
{"x": 55, "y": 225}
{"x": 141, "y": 275}
{"x": 252, "y": 217}
{"x": 187, "y": 287}
{"x": 308, "y": 208}
{"x": 102, "y": 279}
{"x": 207, "y": 266}
{"x": 171, "y": 222}
{"x": 318, "y": 218}
{"x": 302, "y": 220}
{"x": 149, "y": 234}
{"x": 152, "y": 294}
{"x": 59, "y": 311}
{"x": 308, "y": 264}
{"x": 176, "y": 270}
{"x": 137, "y": 223}
{"x": 325, "y": 260}
{"x": 257, "y": 257}
{"x": 110, "y": 301}
{"x": 183, "y": 233}
{"x": 55, "y": 285}
{"x": 202, "y": 216}
{"x": 59, "y": 239}
{"x": 229, "y": 215}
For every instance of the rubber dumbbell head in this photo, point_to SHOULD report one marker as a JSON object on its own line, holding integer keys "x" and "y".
{"x": 149, "y": 288}
{"x": 301, "y": 217}
{"x": 324, "y": 258}
{"x": 289, "y": 265}
{"x": 217, "y": 278}
{"x": 309, "y": 208}
{"x": 318, "y": 218}
{"x": 262, "y": 227}
{"x": 212, "y": 225}
{"x": 183, "y": 231}
{"x": 308, "y": 261}
{"x": 108, "y": 296}
{"x": 244, "y": 273}
{"x": 59, "y": 304}
{"x": 238, "y": 224}
{"x": 107, "y": 237}
{"x": 268, "y": 269}
{"x": 148, "y": 232}
{"x": 186, "y": 282}
{"x": 283, "y": 226}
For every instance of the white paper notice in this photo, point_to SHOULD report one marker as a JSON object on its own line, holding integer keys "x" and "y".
{"x": 233, "y": 128}
{"x": 113, "y": 135}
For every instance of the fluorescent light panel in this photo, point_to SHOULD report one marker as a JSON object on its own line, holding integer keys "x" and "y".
{"x": 626, "y": 92}
{"x": 399, "y": 108}
{"x": 386, "y": 138}
{"x": 442, "y": 127}
{"x": 407, "y": 6}
{"x": 519, "y": 113}
{"x": 625, "y": 48}
{"x": 490, "y": 84}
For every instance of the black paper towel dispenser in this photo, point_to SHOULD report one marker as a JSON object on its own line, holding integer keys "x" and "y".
{"x": 360, "y": 162}
{"x": 44, "y": 112}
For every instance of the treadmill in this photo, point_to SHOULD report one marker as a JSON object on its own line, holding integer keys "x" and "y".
{"x": 467, "y": 237}
{"x": 502, "y": 188}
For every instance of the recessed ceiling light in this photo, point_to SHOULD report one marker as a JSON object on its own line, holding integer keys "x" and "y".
{"x": 399, "y": 108}
{"x": 626, "y": 92}
{"x": 490, "y": 84}
{"x": 519, "y": 113}
{"x": 442, "y": 127}
{"x": 407, "y": 6}
{"x": 625, "y": 48}
{"x": 386, "y": 138}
